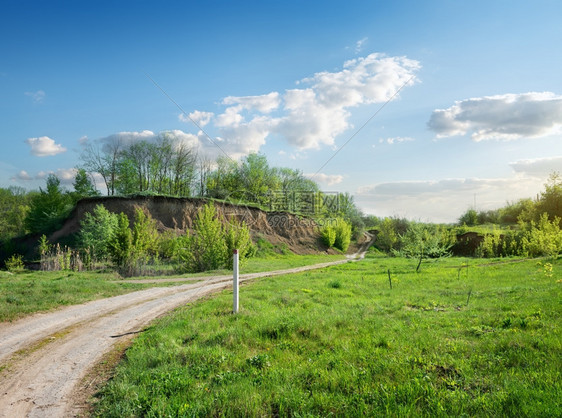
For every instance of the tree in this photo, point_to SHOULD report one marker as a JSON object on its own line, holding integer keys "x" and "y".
{"x": 49, "y": 207}
{"x": 550, "y": 200}
{"x": 121, "y": 246}
{"x": 104, "y": 159}
{"x": 469, "y": 218}
{"x": 97, "y": 231}
{"x": 145, "y": 235}
{"x": 208, "y": 249}
{"x": 83, "y": 185}
{"x": 14, "y": 207}
{"x": 425, "y": 241}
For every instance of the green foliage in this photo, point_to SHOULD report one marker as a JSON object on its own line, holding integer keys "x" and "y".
{"x": 469, "y": 218}
{"x": 14, "y": 207}
{"x": 238, "y": 237}
{"x": 213, "y": 242}
{"x": 542, "y": 238}
{"x": 97, "y": 231}
{"x": 207, "y": 248}
{"x": 48, "y": 208}
{"x": 83, "y": 185}
{"x": 426, "y": 241}
{"x": 388, "y": 234}
{"x": 145, "y": 236}
{"x": 15, "y": 263}
{"x": 343, "y": 235}
{"x": 550, "y": 200}
{"x": 121, "y": 246}
{"x": 328, "y": 234}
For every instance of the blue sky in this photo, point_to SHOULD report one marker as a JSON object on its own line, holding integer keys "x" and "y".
{"x": 477, "y": 119}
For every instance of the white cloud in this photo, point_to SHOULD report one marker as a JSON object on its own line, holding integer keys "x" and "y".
{"x": 359, "y": 44}
{"x": 398, "y": 139}
{"x": 312, "y": 116}
{"x": 507, "y": 116}
{"x": 37, "y": 96}
{"x": 44, "y": 146}
{"x": 200, "y": 118}
{"x": 22, "y": 175}
{"x": 329, "y": 179}
{"x": 443, "y": 200}
{"x": 265, "y": 103}
{"x": 538, "y": 167}
{"x": 65, "y": 175}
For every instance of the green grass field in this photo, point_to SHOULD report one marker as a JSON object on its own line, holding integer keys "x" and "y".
{"x": 32, "y": 291}
{"x": 480, "y": 340}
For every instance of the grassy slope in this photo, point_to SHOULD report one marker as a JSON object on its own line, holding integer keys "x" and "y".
{"x": 29, "y": 292}
{"x": 339, "y": 341}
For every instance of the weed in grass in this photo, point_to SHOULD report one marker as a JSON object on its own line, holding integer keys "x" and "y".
{"x": 335, "y": 284}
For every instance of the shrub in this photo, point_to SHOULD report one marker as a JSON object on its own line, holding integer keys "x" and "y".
{"x": 207, "y": 249}
{"x": 144, "y": 236}
{"x": 212, "y": 244}
{"x": 328, "y": 234}
{"x": 238, "y": 237}
{"x": 343, "y": 235}
{"x": 97, "y": 231}
{"x": 15, "y": 263}
{"x": 542, "y": 238}
{"x": 121, "y": 245}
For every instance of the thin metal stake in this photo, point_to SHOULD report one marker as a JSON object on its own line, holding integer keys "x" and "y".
{"x": 235, "y": 282}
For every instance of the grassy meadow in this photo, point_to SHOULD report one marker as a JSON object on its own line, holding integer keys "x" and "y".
{"x": 461, "y": 337}
{"x": 27, "y": 292}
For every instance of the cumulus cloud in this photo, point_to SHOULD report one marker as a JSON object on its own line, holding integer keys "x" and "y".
{"x": 443, "y": 200}
{"x": 200, "y": 118}
{"x": 44, "y": 146}
{"x": 37, "y": 96}
{"x": 329, "y": 179}
{"x": 538, "y": 167}
{"x": 314, "y": 114}
{"x": 507, "y": 116}
{"x": 65, "y": 175}
{"x": 22, "y": 175}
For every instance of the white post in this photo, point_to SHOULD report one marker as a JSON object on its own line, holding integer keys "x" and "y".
{"x": 235, "y": 282}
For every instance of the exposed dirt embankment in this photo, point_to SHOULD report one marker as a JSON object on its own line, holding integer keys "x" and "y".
{"x": 299, "y": 234}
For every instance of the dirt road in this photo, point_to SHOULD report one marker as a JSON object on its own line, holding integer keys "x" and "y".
{"x": 44, "y": 357}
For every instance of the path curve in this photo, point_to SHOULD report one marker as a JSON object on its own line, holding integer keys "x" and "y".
{"x": 63, "y": 345}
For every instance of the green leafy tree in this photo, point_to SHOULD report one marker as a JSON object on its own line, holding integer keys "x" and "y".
{"x": 83, "y": 185}
{"x": 542, "y": 238}
{"x": 97, "y": 231}
{"x": 145, "y": 236}
{"x": 14, "y": 207}
{"x": 550, "y": 200}
{"x": 469, "y": 218}
{"x": 207, "y": 246}
{"x": 425, "y": 241}
{"x": 121, "y": 246}
{"x": 49, "y": 207}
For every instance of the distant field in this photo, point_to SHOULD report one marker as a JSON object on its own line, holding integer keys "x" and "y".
{"x": 31, "y": 291}
{"x": 451, "y": 340}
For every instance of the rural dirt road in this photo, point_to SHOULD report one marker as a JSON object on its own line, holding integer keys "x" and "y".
{"x": 44, "y": 357}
